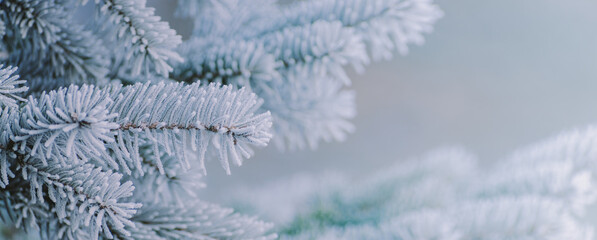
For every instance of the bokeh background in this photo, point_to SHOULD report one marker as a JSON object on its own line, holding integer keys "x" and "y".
{"x": 494, "y": 76}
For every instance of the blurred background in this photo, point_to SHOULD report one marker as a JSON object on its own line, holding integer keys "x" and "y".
{"x": 494, "y": 76}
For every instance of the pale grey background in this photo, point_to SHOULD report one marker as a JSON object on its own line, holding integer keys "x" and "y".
{"x": 494, "y": 76}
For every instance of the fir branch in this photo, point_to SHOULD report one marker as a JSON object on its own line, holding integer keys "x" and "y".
{"x": 85, "y": 121}
{"x": 73, "y": 122}
{"x": 197, "y": 114}
{"x": 322, "y": 48}
{"x": 310, "y": 40}
{"x": 83, "y": 197}
{"x": 148, "y": 42}
{"x": 10, "y": 87}
{"x": 70, "y": 158}
{"x": 58, "y": 141}
{"x": 385, "y": 25}
{"x": 8, "y": 119}
{"x": 43, "y": 42}
{"x": 236, "y": 62}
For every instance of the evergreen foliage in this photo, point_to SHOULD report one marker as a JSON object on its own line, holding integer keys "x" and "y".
{"x": 105, "y": 126}
{"x": 307, "y": 43}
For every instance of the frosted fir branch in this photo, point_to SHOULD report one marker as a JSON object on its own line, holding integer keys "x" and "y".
{"x": 385, "y": 25}
{"x": 43, "y": 42}
{"x": 73, "y": 122}
{"x": 58, "y": 143}
{"x": 34, "y": 18}
{"x": 322, "y": 48}
{"x": 176, "y": 116}
{"x": 236, "y": 62}
{"x": 83, "y": 197}
{"x": 317, "y": 38}
{"x": 197, "y": 220}
{"x": 10, "y": 87}
{"x": 86, "y": 121}
{"x": 149, "y": 42}
{"x": 8, "y": 119}
{"x": 77, "y": 56}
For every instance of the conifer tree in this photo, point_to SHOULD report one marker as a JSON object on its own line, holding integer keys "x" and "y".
{"x": 105, "y": 127}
